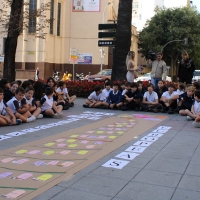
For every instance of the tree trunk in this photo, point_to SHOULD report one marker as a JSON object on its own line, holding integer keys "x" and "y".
{"x": 123, "y": 40}
{"x": 11, "y": 40}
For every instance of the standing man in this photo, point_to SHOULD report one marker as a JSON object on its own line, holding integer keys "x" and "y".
{"x": 37, "y": 74}
{"x": 159, "y": 70}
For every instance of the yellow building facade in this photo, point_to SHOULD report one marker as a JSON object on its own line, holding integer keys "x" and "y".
{"x": 73, "y": 30}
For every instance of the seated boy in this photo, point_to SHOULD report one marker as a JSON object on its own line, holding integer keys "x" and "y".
{"x": 19, "y": 107}
{"x": 186, "y": 100}
{"x": 195, "y": 110}
{"x": 169, "y": 99}
{"x": 150, "y": 100}
{"x": 30, "y": 101}
{"x": 6, "y": 115}
{"x": 114, "y": 98}
{"x": 133, "y": 97}
{"x": 123, "y": 98}
{"x": 49, "y": 107}
{"x": 106, "y": 90}
{"x": 95, "y": 99}
{"x": 63, "y": 90}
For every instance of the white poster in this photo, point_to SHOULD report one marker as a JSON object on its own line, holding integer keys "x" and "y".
{"x": 127, "y": 155}
{"x": 117, "y": 164}
{"x": 136, "y": 149}
{"x": 85, "y": 5}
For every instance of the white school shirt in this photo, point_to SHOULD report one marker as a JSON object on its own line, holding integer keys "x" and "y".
{"x": 3, "y": 106}
{"x": 196, "y": 107}
{"x": 14, "y": 104}
{"x": 167, "y": 95}
{"x": 105, "y": 93}
{"x": 124, "y": 91}
{"x": 95, "y": 97}
{"x": 179, "y": 92}
{"x": 46, "y": 103}
{"x": 64, "y": 90}
{"x": 30, "y": 101}
{"x": 150, "y": 97}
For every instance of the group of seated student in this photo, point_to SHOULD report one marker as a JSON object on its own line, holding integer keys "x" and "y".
{"x": 28, "y": 101}
{"x": 132, "y": 96}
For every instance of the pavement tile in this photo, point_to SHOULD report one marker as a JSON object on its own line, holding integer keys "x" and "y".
{"x": 165, "y": 155}
{"x": 50, "y": 193}
{"x": 193, "y": 170}
{"x": 139, "y": 162}
{"x": 186, "y": 195}
{"x": 100, "y": 185}
{"x": 165, "y": 179}
{"x": 142, "y": 191}
{"x": 190, "y": 183}
{"x": 148, "y": 154}
{"x": 78, "y": 195}
{"x": 127, "y": 173}
{"x": 172, "y": 166}
{"x": 195, "y": 159}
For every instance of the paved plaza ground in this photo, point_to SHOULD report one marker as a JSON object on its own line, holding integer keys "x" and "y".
{"x": 169, "y": 169}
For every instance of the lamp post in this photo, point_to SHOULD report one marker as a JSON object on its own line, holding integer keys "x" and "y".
{"x": 102, "y": 49}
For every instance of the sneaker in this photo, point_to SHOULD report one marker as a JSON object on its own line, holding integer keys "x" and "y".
{"x": 155, "y": 110}
{"x": 170, "y": 111}
{"x": 57, "y": 116}
{"x": 104, "y": 107}
{"x": 165, "y": 109}
{"x": 65, "y": 107}
{"x": 18, "y": 121}
{"x": 196, "y": 124}
{"x": 124, "y": 108}
{"x": 40, "y": 116}
{"x": 85, "y": 106}
{"x": 72, "y": 104}
{"x": 188, "y": 118}
{"x": 31, "y": 118}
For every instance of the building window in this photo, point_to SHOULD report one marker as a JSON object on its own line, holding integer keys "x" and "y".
{"x": 135, "y": 4}
{"x": 58, "y": 19}
{"x": 51, "y": 16}
{"x": 32, "y": 16}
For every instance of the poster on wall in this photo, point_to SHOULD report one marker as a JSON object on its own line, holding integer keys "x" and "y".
{"x": 85, "y": 5}
{"x": 84, "y": 58}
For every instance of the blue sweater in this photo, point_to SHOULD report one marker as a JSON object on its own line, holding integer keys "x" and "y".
{"x": 114, "y": 98}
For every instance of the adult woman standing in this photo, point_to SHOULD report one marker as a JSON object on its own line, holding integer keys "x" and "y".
{"x": 186, "y": 69}
{"x": 130, "y": 64}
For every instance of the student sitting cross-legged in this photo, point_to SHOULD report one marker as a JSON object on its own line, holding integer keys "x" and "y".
{"x": 195, "y": 110}
{"x": 106, "y": 90}
{"x": 169, "y": 99}
{"x": 186, "y": 100}
{"x": 19, "y": 107}
{"x": 30, "y": 101}
{"x": 113, "y": 99}
{"x": 95, "y": 99}
{"x": 133, "y": 97}
{"x": 150, "y": 100}
{"x": 49, "y": 107}
{"x": 6, "y": 115}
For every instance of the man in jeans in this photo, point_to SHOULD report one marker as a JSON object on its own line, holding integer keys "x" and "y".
{"x": 159, "y": 70}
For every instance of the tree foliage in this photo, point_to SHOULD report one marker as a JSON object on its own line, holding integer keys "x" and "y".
{"x": 172, "y": 24}
{"x": 123, "y": 40}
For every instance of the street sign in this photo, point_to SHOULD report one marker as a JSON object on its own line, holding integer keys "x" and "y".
{"x": 106, "y": 43}
{"x": 106, "y": 34}
{"x": 107, "y": 26}
{"x": 73, "y": 53}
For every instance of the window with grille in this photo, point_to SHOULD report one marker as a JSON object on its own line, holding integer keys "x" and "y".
{"x": 59, "y": 19}
{"x": 32, "y": 16}
{"x": 51, "y": 16}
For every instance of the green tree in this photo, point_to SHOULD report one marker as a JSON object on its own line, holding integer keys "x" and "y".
{"x": 123, "y": 40}
{"x": 172, "y": 24}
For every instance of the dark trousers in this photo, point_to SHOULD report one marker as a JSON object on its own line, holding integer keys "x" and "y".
{"x": 146, "y": 106}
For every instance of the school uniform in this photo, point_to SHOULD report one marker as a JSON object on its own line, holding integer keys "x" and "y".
{"x": 30, "y": 101}
{"x": 47, "y": 103}
{"x": 161, "y": 91}
{"x": 196, "y": 105}
{"x": 95, "y": 97}
{"x": 3, "y": 106}
{"x": 14, "y": 104}
{"x": 64, "y": 90}
{"x": 168, "y": 96}
{"x": 187, "y": 101}
{"x": 135, "y": 95}
{"x": 150, "y": 98}
{"x": 8, "y": 95}
{"x": 105, "y": 93}
{"x": 114, "y": 98}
